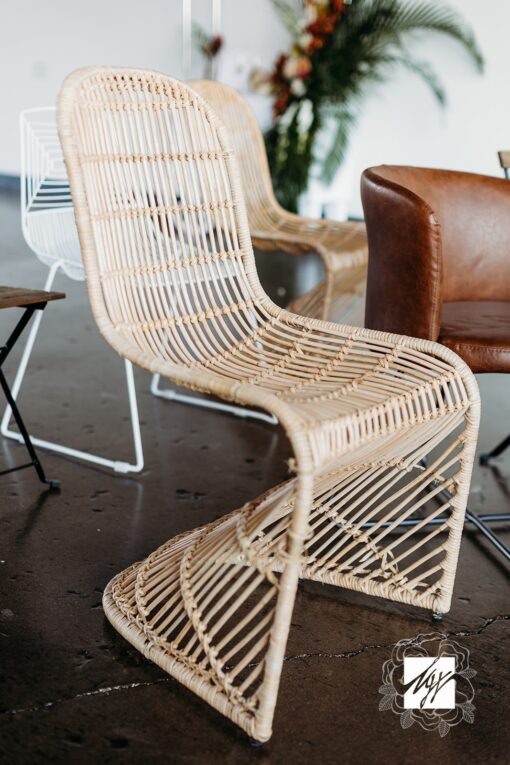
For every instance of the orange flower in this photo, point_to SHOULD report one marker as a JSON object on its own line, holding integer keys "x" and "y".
{"x": 315, "y": 44}
{"x": 278, "y": 67}
{"x": 297, "y": 66}
{"x": 281, "y": 102}
{"x": 287, "y": 80}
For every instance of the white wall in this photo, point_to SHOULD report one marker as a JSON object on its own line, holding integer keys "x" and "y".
{"x": 42, "y": 40}
{"x": 402, "y": 123}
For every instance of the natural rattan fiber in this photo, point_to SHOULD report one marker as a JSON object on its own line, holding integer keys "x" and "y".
{"x": 343, "y": 248}
{"x": 173, "y": 287}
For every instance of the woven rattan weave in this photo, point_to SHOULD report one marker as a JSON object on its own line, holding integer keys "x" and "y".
{"x": 342, "y": 246}
{"x": 173, "y": 287}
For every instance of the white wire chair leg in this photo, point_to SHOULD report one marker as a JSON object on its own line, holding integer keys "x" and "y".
{"x": 238, "y": 411}
{"x": 117, "y": 465}
{"x": 22, "y": 368}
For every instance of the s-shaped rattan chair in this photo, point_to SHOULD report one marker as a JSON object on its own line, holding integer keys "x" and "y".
{"x": 173, "y": 287}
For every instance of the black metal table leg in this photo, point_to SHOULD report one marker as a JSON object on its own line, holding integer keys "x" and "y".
{"x": 485, "y": 459}
{"x": 479, "y": 521}
{"x": 4, "y": 352}
{"x": 470, "y": 518}
{"x": 485, "y": 530}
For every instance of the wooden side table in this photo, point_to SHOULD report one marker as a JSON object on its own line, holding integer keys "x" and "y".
{"x": 31, "y": 301}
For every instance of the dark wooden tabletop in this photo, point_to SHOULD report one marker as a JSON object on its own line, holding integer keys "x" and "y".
{"x": 17, "y": 297}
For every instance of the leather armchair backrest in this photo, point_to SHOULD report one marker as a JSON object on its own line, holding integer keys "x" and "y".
{"x": 473, "y": 212}
{"x": 405, "y": 270}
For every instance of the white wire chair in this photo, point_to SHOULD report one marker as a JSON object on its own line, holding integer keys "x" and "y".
{"x": 49, "y": 229}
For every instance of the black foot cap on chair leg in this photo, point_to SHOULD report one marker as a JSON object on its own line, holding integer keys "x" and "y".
{"x": 53, "y": 485}
{"x": 437, "y": 617}
{"x": 485, "y": 459}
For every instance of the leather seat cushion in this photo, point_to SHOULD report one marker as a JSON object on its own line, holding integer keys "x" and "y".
{"x": 479, "y": 332}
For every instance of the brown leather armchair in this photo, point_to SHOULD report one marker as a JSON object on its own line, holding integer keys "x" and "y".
{"x": 439, "y": 262}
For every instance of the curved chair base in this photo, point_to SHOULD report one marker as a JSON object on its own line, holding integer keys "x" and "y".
{"x": 120, "y": 591}
{"x": 210, "y": 605}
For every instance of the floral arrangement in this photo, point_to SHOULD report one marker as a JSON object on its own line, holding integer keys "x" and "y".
{"x": 292, "y": 69}
{"x": 338, "y": 49}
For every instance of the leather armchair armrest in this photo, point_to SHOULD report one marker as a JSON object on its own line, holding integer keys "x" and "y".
{"x": 404, "y": 283}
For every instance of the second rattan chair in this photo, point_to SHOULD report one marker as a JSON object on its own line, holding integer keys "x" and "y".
{"x": 342, "y": 246}
{"x": 173, "y": 287}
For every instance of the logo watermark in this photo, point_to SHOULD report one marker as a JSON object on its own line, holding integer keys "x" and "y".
{"x": 427, "y": 681}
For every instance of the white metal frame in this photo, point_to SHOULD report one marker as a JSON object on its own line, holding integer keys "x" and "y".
{"x": 47, "y": 220}
{"x": 182, "y": 398}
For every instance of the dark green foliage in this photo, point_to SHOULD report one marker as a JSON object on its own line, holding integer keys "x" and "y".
{"x": 370, "y": 41}
{"x": 290, "y": 159}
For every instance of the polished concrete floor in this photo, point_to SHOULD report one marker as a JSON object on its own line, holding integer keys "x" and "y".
{"x": 73, "y": 691}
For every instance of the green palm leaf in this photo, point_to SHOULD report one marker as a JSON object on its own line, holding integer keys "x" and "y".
{"x": 370, "y": 41}
{"x": 427, "y": 74}
{"x": 288, "y": 14}
{"x": 345, "y": 120}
